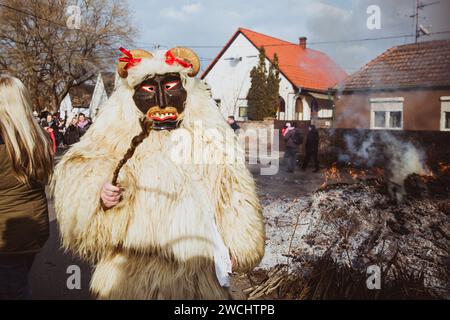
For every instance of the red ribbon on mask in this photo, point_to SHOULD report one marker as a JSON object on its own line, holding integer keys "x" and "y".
{"x": 129, "y": 59}
{"x": 171, "y": 59}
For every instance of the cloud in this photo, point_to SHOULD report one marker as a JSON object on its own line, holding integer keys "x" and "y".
{"x": 319, "y": 9}
{"x": 191, "y": 8}
{"x": 182, "y": 13}
{"x": 200, "y": 23}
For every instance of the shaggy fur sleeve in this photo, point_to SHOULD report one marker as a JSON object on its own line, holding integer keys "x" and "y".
{"x": 240, "y": 218}
{"x": 85, "y": 228}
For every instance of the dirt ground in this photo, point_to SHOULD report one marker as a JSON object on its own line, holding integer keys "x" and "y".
{"x": 49, "y": 273}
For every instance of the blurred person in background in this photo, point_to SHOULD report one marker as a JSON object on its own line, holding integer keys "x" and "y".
{"x": 233, "y": 124}
{"x": 56, "y": 130}
{"x": 26, "y": 164}
{"x": 46, "y": 120}
{"x": 292, "y": 140}
{"x": 72, "y": 134}
{"x": 312, "y": 148}
{"x": 83, "y": 124}
{"x": 61, "y": 133}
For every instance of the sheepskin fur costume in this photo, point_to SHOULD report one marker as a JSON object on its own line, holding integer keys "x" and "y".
{"x": 157, "y": 243}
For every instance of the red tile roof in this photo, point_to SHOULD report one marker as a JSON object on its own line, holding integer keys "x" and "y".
{"x": 416, "y": 65}
{"x": 304, "y": 68}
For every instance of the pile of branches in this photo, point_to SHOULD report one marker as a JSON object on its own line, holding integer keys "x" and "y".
{"x": 353, "y": 226}
{"x": 324, "y": 279}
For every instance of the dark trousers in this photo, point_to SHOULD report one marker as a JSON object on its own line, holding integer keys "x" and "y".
{"x": 290, "y": 155}
{"x": 14, "y": 270}
{"x": 311, "y": 154}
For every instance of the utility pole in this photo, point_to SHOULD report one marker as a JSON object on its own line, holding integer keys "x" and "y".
{"x": 420, "y": 6}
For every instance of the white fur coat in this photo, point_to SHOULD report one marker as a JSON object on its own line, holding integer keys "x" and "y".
{"x": 157, "y": 243}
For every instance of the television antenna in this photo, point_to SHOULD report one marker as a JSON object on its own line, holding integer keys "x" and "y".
{"x": 421, "y": 30}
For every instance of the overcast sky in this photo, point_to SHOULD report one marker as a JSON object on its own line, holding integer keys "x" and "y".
{"x": 196, "y": 23}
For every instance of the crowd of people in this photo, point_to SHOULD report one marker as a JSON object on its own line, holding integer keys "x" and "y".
{"x": 64, "y": 132}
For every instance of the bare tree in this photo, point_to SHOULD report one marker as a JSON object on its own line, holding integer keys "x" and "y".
{"x": 39, "y": 45}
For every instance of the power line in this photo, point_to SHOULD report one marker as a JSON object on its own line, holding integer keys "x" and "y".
{"x": 322, "y": 42}
{"x": 156, "y": 45}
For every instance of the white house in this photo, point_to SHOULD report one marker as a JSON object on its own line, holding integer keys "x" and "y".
{"x": 306, "y": 76}
{"x": 99, "y": 97}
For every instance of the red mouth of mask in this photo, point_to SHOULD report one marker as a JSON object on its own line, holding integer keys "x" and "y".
{"x": 163, "y": 117}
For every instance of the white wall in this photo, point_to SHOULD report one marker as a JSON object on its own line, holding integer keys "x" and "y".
{"x": 230, "y": 80}
{"x": 99, "y": 97}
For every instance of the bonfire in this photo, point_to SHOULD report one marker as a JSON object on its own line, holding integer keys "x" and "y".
{"x": 356, "y": 220}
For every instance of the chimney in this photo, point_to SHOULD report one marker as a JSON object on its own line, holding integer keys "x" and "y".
{"x": 302, "y": 42}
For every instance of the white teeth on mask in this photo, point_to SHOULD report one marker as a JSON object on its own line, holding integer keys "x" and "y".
{"x": 164, "y": 115}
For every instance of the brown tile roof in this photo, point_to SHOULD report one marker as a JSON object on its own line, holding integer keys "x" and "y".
{"x": 425, "y": 64}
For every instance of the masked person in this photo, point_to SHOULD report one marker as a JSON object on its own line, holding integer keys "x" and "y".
{"x": 159, "y": 224}
{"x": 26, "y": 163}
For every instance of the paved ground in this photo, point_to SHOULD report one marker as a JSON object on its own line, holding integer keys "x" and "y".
{"x": 49, "y": 272}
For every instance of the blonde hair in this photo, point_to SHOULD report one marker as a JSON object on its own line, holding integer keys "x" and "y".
{"x": 27, "y": 144}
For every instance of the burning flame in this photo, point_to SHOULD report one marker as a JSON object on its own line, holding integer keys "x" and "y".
{"x": 431, "y": 176}
{"x": 444, "y": 168}
{"x": 331, "y": 173}
{"x": 357, "y": 174}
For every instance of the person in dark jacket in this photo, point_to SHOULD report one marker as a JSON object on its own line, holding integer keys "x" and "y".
{"x": 26, "y": 164}
{"x": 72, "y": 134}
{"x": 55, "y": 125}
{"x": 233, "y": 124}
{"x": 312, "y": 148}
{"x": 293, "y": 140}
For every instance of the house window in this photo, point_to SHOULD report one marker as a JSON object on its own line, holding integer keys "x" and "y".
{"x": 281, "y": 109}
{"x": 386, "y": 113}
{"x": 218, "y": 102}
{"x": 445, "y": 113}
{"x": 243, "y": 112}
{"x": 447, "y": 120}
{"x": 380, "y": 119}
{"x": 325, "y": 113}
{"x": 395, "y": 119}
{"x": 299, "y": 109}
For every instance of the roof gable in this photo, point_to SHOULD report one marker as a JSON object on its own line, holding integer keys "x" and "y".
{"x": 304, "y": 68}
{"x": 423, "y": 64}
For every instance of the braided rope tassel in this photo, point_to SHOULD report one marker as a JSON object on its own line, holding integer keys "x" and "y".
{"x": 146, "y": 125}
